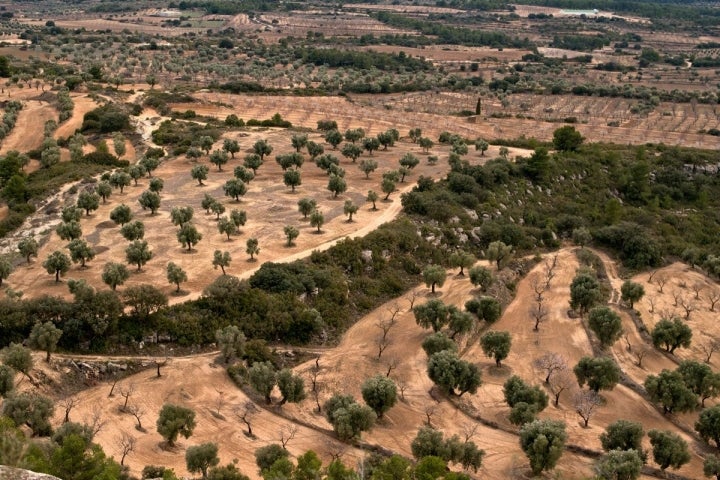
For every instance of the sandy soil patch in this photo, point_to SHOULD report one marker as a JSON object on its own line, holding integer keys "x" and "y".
{"x": 433, "y": 114}
{"x": 269, "y": 204}
{"x": 82, "y": 104}
{"x": 31, "y": 118}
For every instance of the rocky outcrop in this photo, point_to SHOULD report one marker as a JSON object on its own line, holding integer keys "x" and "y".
{"x": 9, "y": 473}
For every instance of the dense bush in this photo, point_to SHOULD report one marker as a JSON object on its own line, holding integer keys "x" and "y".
{"x": 106, "y": 119}
{"x": 627, "y": 196}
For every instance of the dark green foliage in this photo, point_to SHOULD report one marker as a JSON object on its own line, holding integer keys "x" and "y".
{"x": 522, "y": 413}
{"x": 671, "y": 334}
{"x": 708, "y": 425}
{"x": 76, "y": 459}
{"x": 106, "y": 119}
{"x": 292, "y": 387}
{"x": 18, "y": 358}
{"x": 669, "y": 449}
{"x": 567, "y": 138}
{"x": 7, "y": 380}
{"x": 379, "y": 393}
{"x": 199, "y": 458}
{"x": 700, "y": 378}
{"x": 496, "y": 345}
{"x": 481, "y": 277}
{"x": 269, "y": 454}
{"x": 599, "y": 373}
{"x": 711, "y": 466}
{"x": 450, "y": 373}
{"x": 57, "y": 263}
{"x": 623, "y": 435}
{"x": 175, "y": 420}
{"x": 430, "y": 443}
{"x": 668, "y": 388}
{"x": 182, "y": 135}
{"x": 349, "y": 419}
{"x": 437, "y": 342}
{"x": 31, "y": 409}
{"x": 516, "y": 391}
{"x": 487, "y": 309}
{"x": 631, "y": 292}
{"x": 72, "y": 428}
{"x": 606, "y": 324}
{"x": 584, "y": 292}
{"x": 45, "y": 336}
{"x": 451, "y": 35}
{"x": 543, "y": 441}
{"x": 262, "y": 377}
{"x": 434, "y": 275}
{"x": 619, "y": 465}
{"x": 432, "y": 314}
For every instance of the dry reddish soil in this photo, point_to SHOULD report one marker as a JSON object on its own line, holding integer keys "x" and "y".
{"x": 82, "y": 103}
{"x": 269, "y": 205}
{"x": 344, "y": 367}
{"x": 453, "y": 53}
{"x": 672, "y": 124}
{"x": 31, "y": 118}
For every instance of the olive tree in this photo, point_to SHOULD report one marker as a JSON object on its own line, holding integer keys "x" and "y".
{"x": 138, "y": 253}
{"x": 121, "y": 214}
{"x": 379, "y": 393}
{"x": 175, "y": 420}
{"x": 348, "y": 418}
{"x": 599, "y": 373}
{"x": 317, "y": 219}
{"x": 606, "y": 324}
{"x": 452, "y": 374}
{"x": 543, "y": 442}
{"x": 499, "y": 253}
{"x": 45, "y": 336}
{"x": 57, "y": 263}
{"x": 231, "y": 342}
{"x": 631, "y": 292}
{"x": 115, "y": 274}
{"x": 496, "y": 345}
{"x": 80, "y": 251}
{"x": 200, "y": 458}
{"x": 28, "y": 247}
{"x": 176, "y": 275}
{"x": 434, "y": 275}
{"x": 669, "y": 449}
{"x": 671, "y": 334}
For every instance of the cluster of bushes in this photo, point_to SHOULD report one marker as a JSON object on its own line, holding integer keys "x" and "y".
{"x": 333, "y": 57}
{"x": 106, "y": 119}
{"x": 582, "y": 43}
{"x": 224, "y": 7}
{"x": 275, "y": 121}
{"x": 316, "y": 299}
{"x": 65, "y": 105}
{"x": 159, "y": 100}
{"x": 182, "y": 135}
{"x": 452, "y": 35}
{"x": 628, "y": 197}
{"x": 9, "y": 117}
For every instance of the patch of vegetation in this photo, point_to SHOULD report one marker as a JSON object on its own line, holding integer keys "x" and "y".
{"x": 646, "y": 204}
{"x": 106, "y": 119}
{"x": 182, "y": 135}
{"x": 452, "y": 35}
